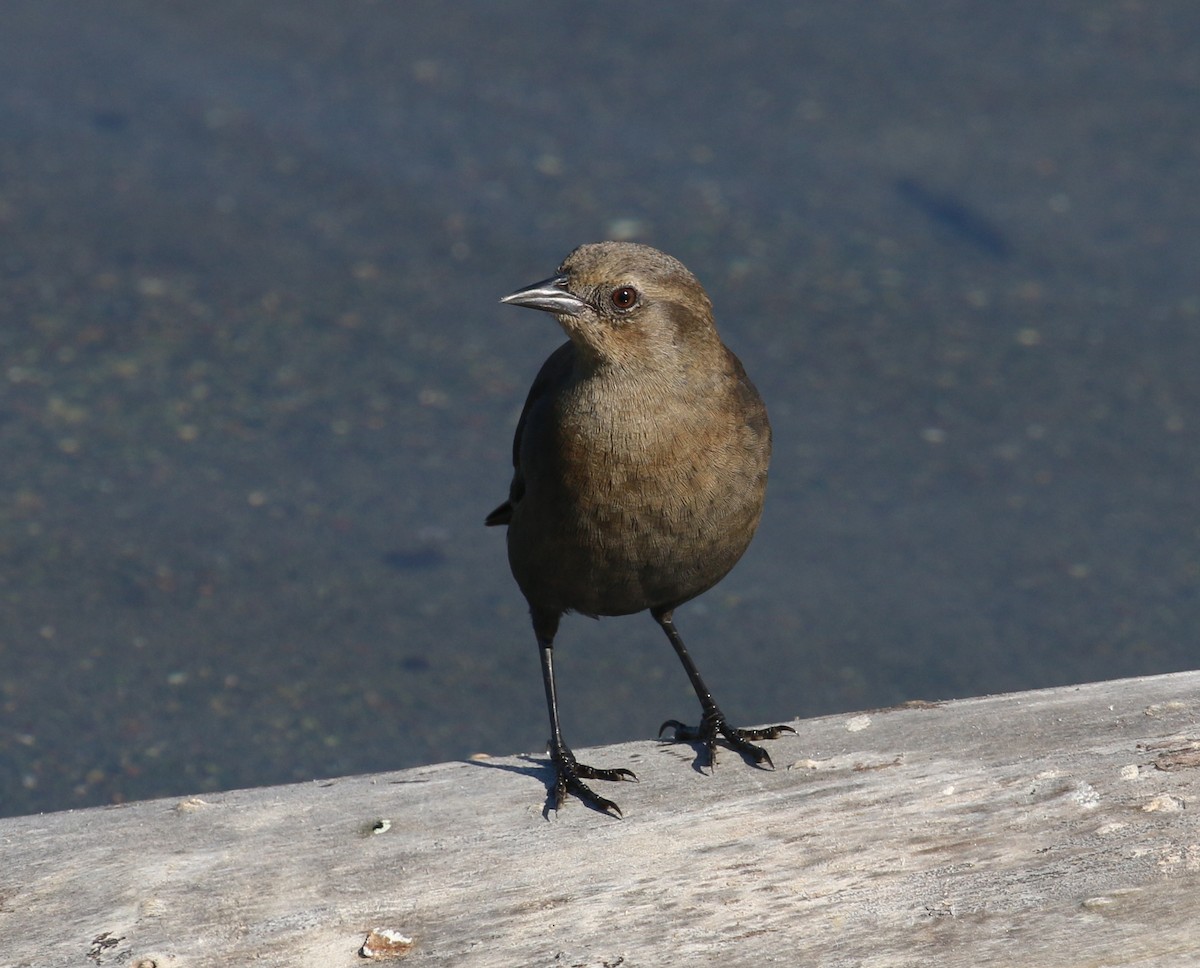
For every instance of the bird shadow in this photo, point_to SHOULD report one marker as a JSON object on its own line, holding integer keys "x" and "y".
{"x": 705, "y": 760}
{"x": 702, "y": 763}
{"x": 542, "y": 770}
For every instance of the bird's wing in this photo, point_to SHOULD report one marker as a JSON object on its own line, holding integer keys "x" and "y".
{"x": 553, "y": 371}
{"x": 749, "y": 403}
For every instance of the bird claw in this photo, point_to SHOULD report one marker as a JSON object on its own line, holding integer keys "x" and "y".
{"x": 765, "y": 732}
{"x": 569, "y": 778}
{"x": 592, "y": 773}
{"x": 714, "y": 724}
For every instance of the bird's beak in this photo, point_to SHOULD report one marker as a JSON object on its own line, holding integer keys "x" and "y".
{"x": 549, "y": 295}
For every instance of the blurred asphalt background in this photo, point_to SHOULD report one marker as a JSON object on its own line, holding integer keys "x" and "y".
{"x": 257, "y": 394}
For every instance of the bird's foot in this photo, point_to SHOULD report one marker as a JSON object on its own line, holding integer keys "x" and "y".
{"x": 712, "y": 725}
{"x": 570, "y": 774}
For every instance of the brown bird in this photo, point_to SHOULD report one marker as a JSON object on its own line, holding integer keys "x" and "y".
{"x": 640, "y": 468}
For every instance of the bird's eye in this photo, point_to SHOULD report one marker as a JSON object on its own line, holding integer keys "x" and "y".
{"x": 624, "y": 297}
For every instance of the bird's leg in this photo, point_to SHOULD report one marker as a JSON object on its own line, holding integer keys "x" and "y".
{"x": 569, "y": 773}
{"x": 712, "y": 720}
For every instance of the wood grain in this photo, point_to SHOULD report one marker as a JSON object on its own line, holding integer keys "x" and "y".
{"x": 1054, "y": 828}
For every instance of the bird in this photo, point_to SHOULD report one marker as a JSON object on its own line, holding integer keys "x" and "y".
{"x": 639, "y": 471}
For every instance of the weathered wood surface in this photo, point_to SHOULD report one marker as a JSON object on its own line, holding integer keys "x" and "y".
{"x": 1056, "y": 828}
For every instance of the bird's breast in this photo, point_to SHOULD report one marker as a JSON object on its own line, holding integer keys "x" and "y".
{"x": 634, "y": 499}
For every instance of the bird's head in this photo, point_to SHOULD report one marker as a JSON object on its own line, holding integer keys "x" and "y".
{"x": 626, "y": 305}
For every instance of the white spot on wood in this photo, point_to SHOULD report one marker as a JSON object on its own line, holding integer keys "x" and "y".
{"x": 1086, "y": 796}
{"x": 385, "y": 943}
